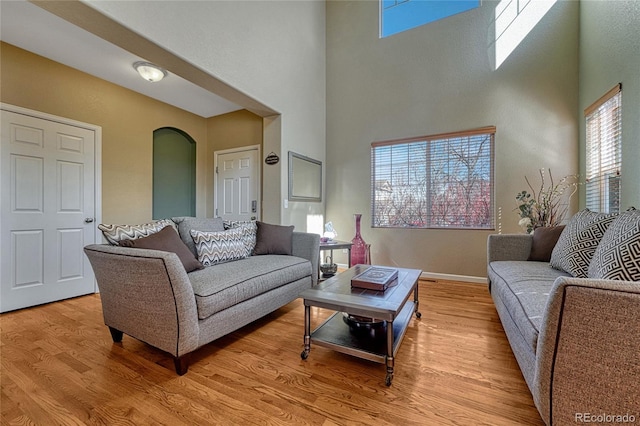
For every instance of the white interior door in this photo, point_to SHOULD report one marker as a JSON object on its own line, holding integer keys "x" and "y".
{"x": 47, "y": 210}
{"x": 237, "y": 184}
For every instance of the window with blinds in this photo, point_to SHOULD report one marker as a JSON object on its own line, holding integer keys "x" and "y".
{"x": 439, "y": 181}
{"x": 603, "y": 152}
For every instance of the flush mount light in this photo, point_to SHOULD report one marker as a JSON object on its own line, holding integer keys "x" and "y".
{"x": 149, "y": 71}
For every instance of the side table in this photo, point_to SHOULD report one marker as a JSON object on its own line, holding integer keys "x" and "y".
{"x": 332, "y": 245}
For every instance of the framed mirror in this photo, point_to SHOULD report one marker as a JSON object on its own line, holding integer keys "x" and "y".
{"x": 305, "y": 178}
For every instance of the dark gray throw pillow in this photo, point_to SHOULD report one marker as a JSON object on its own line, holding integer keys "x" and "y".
{"x": 544, "y": 240}
{"x": 166, "y": 240}
{"x": 273, "y": 239}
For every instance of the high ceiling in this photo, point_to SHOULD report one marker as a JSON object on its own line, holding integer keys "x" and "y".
{"x": 29, "y": 27}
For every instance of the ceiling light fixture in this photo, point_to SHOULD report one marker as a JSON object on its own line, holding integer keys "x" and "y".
{"x": 149, "y": 71}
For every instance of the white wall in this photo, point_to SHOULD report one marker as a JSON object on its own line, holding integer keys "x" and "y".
{"x": 440, "y": 78}
{"x": 274, "y": 51}
{"x": 610, "y": 54}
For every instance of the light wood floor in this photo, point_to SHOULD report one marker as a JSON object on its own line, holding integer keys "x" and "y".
{"x": 59, "y": 366}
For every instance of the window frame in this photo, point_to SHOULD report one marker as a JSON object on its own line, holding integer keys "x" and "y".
{"x": 603, "y": 180}
{"x": 428, "y": 220}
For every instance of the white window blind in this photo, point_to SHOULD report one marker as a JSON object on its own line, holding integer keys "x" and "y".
{"x": 603, "y": 152}
{"x": 439, "y": 181}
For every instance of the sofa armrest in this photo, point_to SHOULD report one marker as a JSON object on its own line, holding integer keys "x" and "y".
{"x": 307, "y": 246}
{"x": 508, "y": 247}
{"x": 588, "y": 353}
{"x": 147, "y": 295}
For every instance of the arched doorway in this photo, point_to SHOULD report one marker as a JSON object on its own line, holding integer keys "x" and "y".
{"x": 174, "y": 173}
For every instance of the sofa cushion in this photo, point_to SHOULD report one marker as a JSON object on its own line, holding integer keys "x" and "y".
{"x": 543, "y": 242}
{"x": 618, "y": 254}
{"x": 249, "y": 229}
{"x": 115, "y": 233}
{"x": 167, "y": 239}
{"x": 186, "y": 224}
{"x": 523, "y": 287}
{"x": 578, "y": 242}
{"x": 273, "y": 239}
{"x": 224, "y": 285}
{"x": 219, "y": 247}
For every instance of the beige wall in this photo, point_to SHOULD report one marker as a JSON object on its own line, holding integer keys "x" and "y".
{"x": 232, "y": 130}
{"x": 440, "y": 78}
{"x": 235, "y": 129}
{"x": 128, "y": 120}
{"x": 610, "y": 54}
{"x": 272, "y": 51}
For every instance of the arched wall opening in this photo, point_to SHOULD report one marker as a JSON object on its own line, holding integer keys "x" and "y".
{"x": 174, "y": 173}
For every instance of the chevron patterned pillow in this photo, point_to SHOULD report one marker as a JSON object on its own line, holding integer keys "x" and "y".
{"x": 115, "y": 233}
{"x": 249, "y": 230}
{"x": 578, "y": 242}
{"x": 220, "y": 246}
{"x": 166, "y": 239}
{"x": 618, "y": 254}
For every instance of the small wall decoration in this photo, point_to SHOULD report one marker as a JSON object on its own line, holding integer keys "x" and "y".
{"x": 272, "y": 158}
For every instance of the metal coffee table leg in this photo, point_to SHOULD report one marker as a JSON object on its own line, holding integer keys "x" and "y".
{"x": 389, "y": 360}
{"x": 307, "y": 332}
{"x": 416, "y": 302}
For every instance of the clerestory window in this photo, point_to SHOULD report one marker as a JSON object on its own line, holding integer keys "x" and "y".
{"x": 603, "y": 152}
{"x": 401, "y": 15}
{"x": 438, "y": 181}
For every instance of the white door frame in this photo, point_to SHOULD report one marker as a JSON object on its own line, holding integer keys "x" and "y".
{"x": 97, "y": 162}
{"x": 259, "y": 177}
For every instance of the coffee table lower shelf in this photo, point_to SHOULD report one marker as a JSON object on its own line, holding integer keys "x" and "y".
{"x": 373, "y": 344}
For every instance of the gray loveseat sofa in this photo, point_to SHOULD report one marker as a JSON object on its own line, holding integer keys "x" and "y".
{"x": 148, "y": 295}
{"x": 576, "y": 340}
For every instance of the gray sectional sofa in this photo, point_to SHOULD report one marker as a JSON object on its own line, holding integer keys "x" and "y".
{"x": 148, "y": 294}
{"x": 576, "y": 340}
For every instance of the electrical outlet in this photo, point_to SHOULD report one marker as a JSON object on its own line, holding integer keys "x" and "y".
{"x": 286, "y": 203}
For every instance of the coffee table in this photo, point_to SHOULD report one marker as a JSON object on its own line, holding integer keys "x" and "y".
{"x": 385, "y": 316}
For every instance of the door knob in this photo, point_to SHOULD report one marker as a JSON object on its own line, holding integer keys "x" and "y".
{"x": 88, "y": 220}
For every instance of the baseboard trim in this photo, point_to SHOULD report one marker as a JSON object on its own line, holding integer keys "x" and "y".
{"x": 434, "y": 276}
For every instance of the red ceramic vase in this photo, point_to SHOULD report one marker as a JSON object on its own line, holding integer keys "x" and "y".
{"x": 359, "y": 247}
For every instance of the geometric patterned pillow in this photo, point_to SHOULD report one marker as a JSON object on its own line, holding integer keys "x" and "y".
{"x": 249, "y": 230}
{"x": 219, "y": 246}
{"x": 578, "y": 242}
{"x": 115, "y": 233}
{"x": 618, "y": 254}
